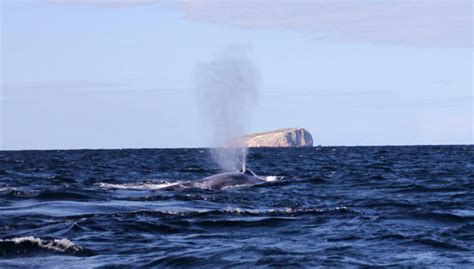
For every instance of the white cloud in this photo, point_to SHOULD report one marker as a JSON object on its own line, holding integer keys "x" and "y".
{"x": 422, "y": 23}
{"x": 412, "y": 23}
{"x": 113, "y": 3}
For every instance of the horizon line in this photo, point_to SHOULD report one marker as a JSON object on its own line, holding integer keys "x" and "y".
{"x": 317, "y": 146}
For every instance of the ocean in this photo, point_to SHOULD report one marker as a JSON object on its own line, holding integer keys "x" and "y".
{"x": 322, "y": 206}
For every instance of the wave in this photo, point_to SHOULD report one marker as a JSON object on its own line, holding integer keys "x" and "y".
{"x": 439, "y": 244}
{"x": 29, "y": 245}
{"x": 279, "y": 211}
{"x": 137, "y": 186}
{"x": 226, "y": 213}
{"x": 232, "y": 211}
{"x": 272, "y": 178}
{"x": 237, "y": 217}
{"x": 198, "y": 222}
{"x": 167, "y": 185}
{"x": 53, "y": 195}
{"x": 63, "y": 195}
{"x": 413, "y": 188}
{"x": 7, "y": 189}
{"x": 12, "y": 193}
{"x": 448, "y": 217}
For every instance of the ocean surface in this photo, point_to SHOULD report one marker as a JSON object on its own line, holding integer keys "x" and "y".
{"x": 322, "y": 206}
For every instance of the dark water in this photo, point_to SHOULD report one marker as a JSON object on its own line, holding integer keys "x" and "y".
{"x": 329, "y": 206}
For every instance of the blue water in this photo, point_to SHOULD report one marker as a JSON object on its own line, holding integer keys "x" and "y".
{"x": 323, "y": 206}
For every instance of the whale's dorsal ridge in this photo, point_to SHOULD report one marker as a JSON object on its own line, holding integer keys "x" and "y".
{"x": 249, "y": 172}
{"x": 220, "y": 181}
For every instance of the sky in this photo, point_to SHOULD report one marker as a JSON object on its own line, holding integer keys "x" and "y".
{"x": 119, "y": 73}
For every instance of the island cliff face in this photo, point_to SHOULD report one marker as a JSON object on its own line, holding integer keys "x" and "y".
{"x": 288, "y": 138}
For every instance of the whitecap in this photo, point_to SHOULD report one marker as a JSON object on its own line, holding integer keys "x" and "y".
{"x": 7, "y": 189}
{"x": 60, "y": 245}
{"x": 136, "y": 186}
{"x": 271, "y": 178}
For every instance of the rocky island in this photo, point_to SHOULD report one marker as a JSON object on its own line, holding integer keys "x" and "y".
{"x": 289, "y": 137}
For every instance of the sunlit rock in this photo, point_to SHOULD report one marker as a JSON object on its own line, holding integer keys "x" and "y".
{"x": 289, "y": 137}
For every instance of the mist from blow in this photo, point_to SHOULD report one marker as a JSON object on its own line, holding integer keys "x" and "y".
{"x": 227, "y": 94}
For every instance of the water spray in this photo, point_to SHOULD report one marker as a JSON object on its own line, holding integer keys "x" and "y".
{"x": 244, "y": 160}
{"x": 227, "y": 93}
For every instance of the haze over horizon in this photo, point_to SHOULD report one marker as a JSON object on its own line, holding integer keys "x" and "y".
{"x": 119, "y": 73}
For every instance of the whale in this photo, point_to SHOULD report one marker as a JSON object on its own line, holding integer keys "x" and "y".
{"x": 220, "y": 181}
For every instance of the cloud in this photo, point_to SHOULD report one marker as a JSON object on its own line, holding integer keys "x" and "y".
{"x": 111, "y": 3}
{"x": 418, "y": 23}
{"x": 60, "y": 85}
{"x": 410, "y": 23}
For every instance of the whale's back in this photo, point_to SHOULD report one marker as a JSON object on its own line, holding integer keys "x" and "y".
{"x": 220, "y": 181}
{"x": 229, "y": 179}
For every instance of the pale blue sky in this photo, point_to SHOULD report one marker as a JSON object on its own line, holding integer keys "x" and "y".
{"x": 117, "y": 74}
